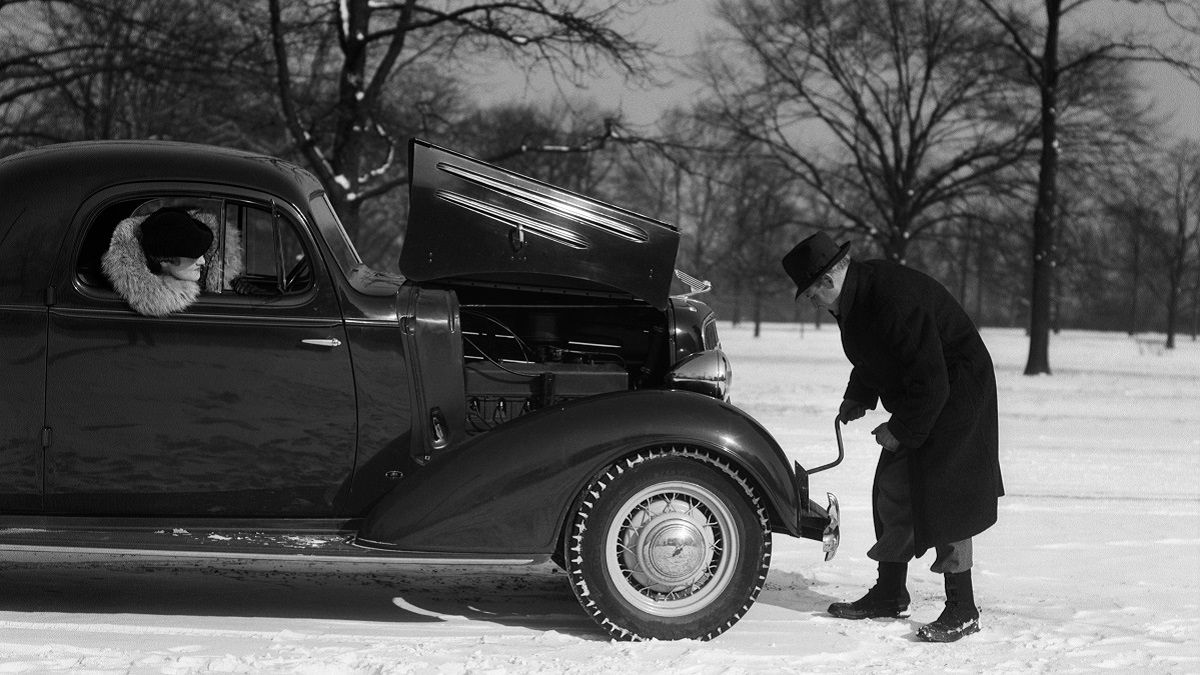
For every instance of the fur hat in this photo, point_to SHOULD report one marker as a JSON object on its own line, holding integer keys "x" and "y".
{"x": 173, "y": 233}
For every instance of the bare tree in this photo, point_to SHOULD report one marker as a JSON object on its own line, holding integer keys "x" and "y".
{"x": 77, "y": 69}
{"x": 1179, "y": 185}
{"x": 1150, "y": 226}
{"x": 684, "y": 176}
{"x": 894, "y": 113}
{"x": 764, "y": 222}
{"x": 337, "y": 84}
{"x": 1037, "y": 43}
{"x": 553, "y": 143}
{"x": 344, "y": 133}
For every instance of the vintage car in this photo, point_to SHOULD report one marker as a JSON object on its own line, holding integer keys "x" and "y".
{"x": 527, "y": 389}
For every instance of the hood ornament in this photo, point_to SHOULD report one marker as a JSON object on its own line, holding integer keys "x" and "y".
{"x": 695, "y": 286}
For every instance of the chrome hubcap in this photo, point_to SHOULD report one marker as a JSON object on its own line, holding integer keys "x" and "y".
{"x": 672, "y": 549}
{"x": 668, "y": 551}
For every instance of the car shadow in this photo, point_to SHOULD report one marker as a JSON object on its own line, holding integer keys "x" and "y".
{"x": 536, "y": 597}
{"x": 795, "y": 592}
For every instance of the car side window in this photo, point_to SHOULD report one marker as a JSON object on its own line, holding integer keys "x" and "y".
{"x": 257, "y": 250}
{"x": 263, "y": 253}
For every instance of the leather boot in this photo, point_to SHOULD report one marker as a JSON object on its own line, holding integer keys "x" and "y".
{"x": 887, "y": 598}
{"x": 960, "y": 618}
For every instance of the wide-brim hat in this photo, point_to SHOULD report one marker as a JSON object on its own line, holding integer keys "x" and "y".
{"x": 811, "y": 258}
{"x": 173, "y": 233}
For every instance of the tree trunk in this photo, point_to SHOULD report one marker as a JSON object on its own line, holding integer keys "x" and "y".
{"x": 1196, "y": 293}
{"x": 737, "y": 302}
{"x": 1176, "y": 276}
{"x": 1136, "y": 269}
{"x": 758, "y": 310}
{"x": 896, "y": 247}
{"x": 1196, "y": 307}
{"x": 1172, "y": 312}
{"x": 981, "y": 263}
{"x": 1038, "y": 362}
{"x": 964, "y": 266}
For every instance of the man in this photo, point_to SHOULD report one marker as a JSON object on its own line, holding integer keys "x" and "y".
{"x": 914, "y": 349}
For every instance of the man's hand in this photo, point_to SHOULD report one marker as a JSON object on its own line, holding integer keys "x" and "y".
{"x": 884, "y": 437}
{"x": 850, "y": 411}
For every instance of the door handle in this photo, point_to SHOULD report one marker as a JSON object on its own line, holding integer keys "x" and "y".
{"x": 323, "y": 342}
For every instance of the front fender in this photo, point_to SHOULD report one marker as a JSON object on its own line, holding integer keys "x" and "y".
{"x": 508, "y": 491}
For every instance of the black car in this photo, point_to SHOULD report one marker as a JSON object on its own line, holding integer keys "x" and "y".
{"x": 528, "y": 390}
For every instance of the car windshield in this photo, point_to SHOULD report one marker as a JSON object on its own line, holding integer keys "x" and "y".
{"x": 335, "y": 235}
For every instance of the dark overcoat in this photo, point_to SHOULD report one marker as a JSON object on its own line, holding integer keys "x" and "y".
{"x": 914, "y": 349}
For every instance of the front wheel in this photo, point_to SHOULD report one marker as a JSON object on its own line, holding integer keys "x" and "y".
{"x": 669, "y": 544}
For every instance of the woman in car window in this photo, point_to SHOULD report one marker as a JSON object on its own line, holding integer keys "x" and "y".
{"x": 154, "y": 261}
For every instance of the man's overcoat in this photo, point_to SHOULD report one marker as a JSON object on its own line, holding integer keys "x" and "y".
{"x": 915, "y": 349}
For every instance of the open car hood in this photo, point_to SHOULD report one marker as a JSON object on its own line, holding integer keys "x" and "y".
{"x": 475, "y": 223}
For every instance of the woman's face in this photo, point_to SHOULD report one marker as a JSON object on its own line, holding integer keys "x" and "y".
{"x": 187, "y": 269}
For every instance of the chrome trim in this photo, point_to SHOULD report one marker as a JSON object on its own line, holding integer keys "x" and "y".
{"x": 381, "y": 557}
{"x": 832, "y": 536}
{"x": 577, "y": 213}
{"x": 705, "y": 372}
{"x": 372, "y": 323}
{"x": 517, "y": 221}
{"x": 323, "y": 342}
{"x": 695, "y": 286}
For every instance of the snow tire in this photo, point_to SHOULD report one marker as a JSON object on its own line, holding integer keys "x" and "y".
{"x": 671, "y": 543}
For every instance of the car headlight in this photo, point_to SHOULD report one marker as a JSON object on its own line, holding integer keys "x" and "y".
{"x": 705, "y": 372}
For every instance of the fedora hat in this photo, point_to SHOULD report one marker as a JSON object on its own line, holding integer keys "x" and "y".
{"x": 811, "y": 258}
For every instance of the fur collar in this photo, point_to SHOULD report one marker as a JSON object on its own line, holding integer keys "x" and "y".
{"x": 148, "y": 293}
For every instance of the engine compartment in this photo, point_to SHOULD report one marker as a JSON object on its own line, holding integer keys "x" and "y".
{"x": 523, "y": 351}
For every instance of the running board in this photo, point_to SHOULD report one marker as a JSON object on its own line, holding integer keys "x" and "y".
{"x": 233, "y": 544}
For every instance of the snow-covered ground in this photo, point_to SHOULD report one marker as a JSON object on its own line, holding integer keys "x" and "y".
{"x": 1094, "y": 565}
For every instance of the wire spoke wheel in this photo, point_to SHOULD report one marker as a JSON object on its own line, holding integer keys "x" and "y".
{"x": 676, "y": 547}
{"x": 669, "y": 544}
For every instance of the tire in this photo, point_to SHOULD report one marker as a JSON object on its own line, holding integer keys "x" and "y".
{"x": 669, "y": 544}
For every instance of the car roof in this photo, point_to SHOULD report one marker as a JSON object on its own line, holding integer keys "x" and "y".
{"x": 86, "y": 166}
{"x": 42, "y": 189}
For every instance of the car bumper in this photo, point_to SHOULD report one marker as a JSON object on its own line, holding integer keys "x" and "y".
{"x": 818, "y": 523}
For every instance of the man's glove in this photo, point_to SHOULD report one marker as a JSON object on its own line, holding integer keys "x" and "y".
{"x": 850, "y": 411}
{"x": 884, "y": 437}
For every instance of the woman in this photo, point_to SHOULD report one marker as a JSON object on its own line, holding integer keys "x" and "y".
{"x": 154, "y": 262}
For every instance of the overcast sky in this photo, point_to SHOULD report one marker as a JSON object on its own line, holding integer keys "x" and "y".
{"x": 678, "y": 26}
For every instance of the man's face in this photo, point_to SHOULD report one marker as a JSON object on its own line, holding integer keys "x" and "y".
{"x": 822, "y": 293}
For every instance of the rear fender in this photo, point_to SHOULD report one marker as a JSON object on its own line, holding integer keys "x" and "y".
{"x": 509, "y": 490}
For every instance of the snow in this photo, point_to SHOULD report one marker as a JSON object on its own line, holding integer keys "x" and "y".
{"x": 1093, "y": 566}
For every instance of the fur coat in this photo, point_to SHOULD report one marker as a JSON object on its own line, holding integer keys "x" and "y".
{"x": 125, "y": 265}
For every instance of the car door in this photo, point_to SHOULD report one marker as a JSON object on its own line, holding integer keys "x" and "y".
{"x": 242, "y": 405}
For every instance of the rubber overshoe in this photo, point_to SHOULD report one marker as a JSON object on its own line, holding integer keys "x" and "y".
{"x": 956, "y": 622}
{"x": 960, "y": 618}
{"x": 875, "y": 604}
